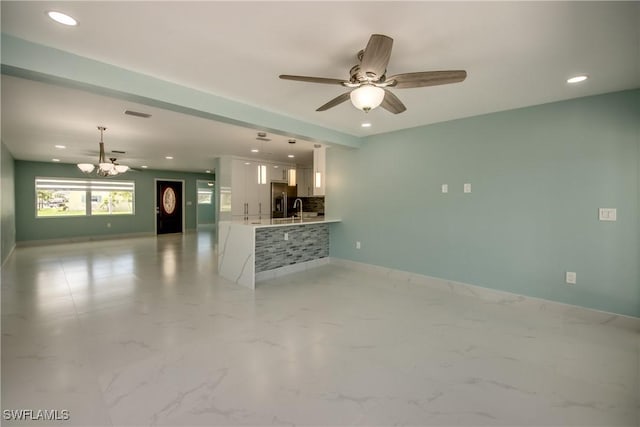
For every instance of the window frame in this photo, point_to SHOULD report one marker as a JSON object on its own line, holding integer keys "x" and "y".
{"x": 90, "y": 186}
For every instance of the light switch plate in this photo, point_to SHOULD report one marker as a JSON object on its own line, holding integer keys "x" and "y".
{"x": 357, "y": 245}
{"x": 445, "y": 188}
{"x": 467, "y": 188}
{"x": 286, "y": 236}
{"x": 570, "y": 277}
{"x": 607, "y": 214}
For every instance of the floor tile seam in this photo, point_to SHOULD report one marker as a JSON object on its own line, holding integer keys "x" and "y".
{"x": 85, "y": 352}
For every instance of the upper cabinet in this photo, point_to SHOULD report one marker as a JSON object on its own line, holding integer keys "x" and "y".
{"x": 279, "y": 172}
{"x": 319, "y": 170}
{"x": 305, "y": 182}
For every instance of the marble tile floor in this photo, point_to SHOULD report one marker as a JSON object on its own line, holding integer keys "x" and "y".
{"x": 142, "y": 332}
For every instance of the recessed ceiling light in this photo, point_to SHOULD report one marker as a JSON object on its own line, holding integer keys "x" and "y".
{"x": 61, "y": 147}
{"x": 578, "y": 79}
{"x": 144, "y": 166}
{"x": 55, "y": 160}
{"x": 366, "y": 125}
{"x": 247, "y": 163}
{"x": 291, "y": 156}
{"x": 275, "y": 166}
{"x": 207, "y": 171}
{"x": 62, "y": 18}
{"x": 169, "y": 157}
{"x": 255, "y": 150}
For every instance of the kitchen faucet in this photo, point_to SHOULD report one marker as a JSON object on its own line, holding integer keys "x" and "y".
{"x": 294, "y": 206}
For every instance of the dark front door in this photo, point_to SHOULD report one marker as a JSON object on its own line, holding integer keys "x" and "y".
{"x": 169, "y": 207}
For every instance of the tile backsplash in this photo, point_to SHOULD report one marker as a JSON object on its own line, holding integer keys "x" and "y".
{"x": 313, "y": 204}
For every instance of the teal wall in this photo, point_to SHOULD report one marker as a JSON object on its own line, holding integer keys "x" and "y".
{"x": 7, "y": 203}
{"x": 28, "y": 227}
{"x": 538, "y": 177}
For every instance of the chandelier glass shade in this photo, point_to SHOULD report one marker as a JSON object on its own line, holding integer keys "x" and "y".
{"x": 86, "y": 167}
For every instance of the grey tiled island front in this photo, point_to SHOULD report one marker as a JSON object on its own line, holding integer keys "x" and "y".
{"x": 304, "y": 243}
{"x": 252, "y": 252}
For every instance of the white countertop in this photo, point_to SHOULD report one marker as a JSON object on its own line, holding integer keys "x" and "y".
{"x": 283, "y": 222}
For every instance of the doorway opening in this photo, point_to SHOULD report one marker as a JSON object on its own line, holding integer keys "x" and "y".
{"x": 206, "y": 208}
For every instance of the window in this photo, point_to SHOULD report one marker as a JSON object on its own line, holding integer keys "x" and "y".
{"x": 205, "y": 196}
{"x": 56, "y": 197}
{"x": 225, "y": 199}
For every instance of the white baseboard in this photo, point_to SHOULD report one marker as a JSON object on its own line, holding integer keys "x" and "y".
{"x": 81, "y": 239}
{"x": 576, "y": 313}
{"x": 8, "y": 256}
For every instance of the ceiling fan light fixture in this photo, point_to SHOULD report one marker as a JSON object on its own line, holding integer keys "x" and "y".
{"x": 367, "y": 97}
{"x": 121, "y": 168}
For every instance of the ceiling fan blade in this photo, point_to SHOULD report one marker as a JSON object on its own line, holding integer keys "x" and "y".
{"x": 392, "y": 103}
{"x": 376, "y": 56}
{"x": 428, "y": 78}
{"x": 335, "y": 101}
{"x": 313, "y": 79}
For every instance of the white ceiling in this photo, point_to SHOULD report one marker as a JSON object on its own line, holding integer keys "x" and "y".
{"x": 516, "y": 54}
{"x": 37, "y": 116}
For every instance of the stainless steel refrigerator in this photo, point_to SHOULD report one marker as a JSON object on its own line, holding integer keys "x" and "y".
{"x": 282, "y": 198}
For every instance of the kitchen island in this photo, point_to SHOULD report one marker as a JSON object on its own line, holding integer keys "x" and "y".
{"x": 251, "y": 251}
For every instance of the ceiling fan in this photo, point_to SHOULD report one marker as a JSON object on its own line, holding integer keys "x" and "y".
{"x": 369, "y": 82}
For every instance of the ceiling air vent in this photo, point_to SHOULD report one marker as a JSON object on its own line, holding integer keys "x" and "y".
{"x": 137, "y": 114}
{"x": 118, "y": 152}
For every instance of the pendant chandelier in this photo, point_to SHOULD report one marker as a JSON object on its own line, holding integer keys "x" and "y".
{"x": 104, "y": 168}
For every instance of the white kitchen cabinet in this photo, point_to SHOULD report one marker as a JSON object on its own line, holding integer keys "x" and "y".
{"x": 279, "y": 172}
{"x": 305, "y": 182}
{"x": 248, "y": 197}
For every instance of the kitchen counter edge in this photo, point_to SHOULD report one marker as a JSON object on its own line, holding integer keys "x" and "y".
{"x": 267, "y": 223}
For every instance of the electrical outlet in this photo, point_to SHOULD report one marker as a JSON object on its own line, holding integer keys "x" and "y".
{"x": 607, "y": 214}
{"x": 445, "y": 188}
{"x": 108, "y": 225}
{"x": 357, "y": 245}
{"x": 467, "y": 188}
{"x": 286, "y": 236}
{"x": 570, "y": 277}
